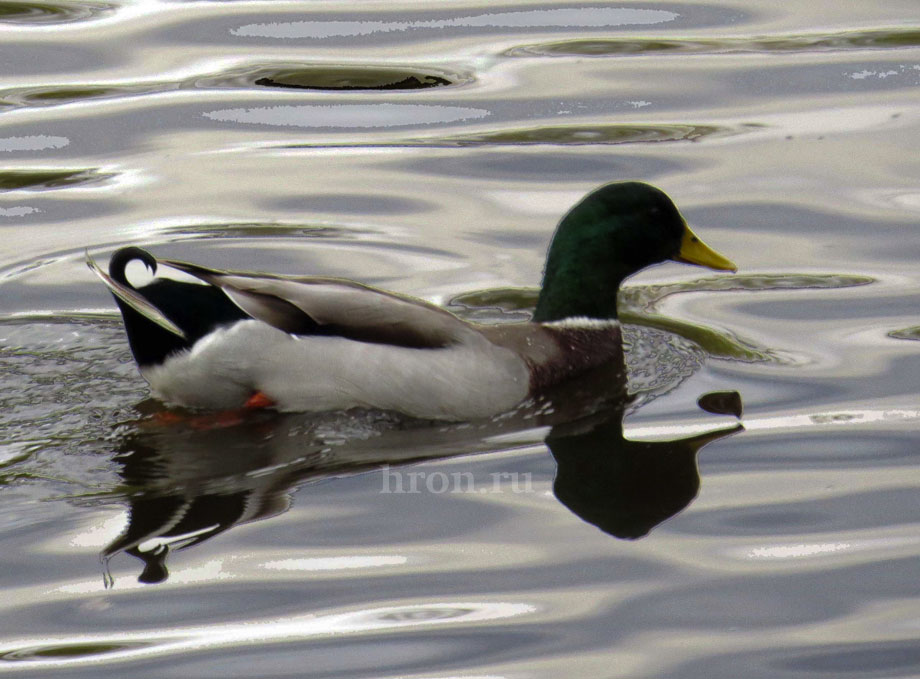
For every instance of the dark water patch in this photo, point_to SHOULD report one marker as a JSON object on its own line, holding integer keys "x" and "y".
{"x": 892, "y": 38}
{"x": 57, "y": 95}
{"x": 250, "y": 230}
{"x": 722, "y": 403}
{"x": 563, "y": 135}
{"x": 39, "y": 180}
{"x": 356, "y": 77}
{"x": 51, "y": 12}
{"x": 364, "y": 82}
{"x": 588, "y": 134}
{"x": 69, "y": 651}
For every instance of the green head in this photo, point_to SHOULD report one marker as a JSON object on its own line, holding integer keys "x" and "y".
{"x": 615, "y": 231}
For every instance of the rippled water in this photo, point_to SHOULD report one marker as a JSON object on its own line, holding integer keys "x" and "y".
{"x": 431, "y": 151}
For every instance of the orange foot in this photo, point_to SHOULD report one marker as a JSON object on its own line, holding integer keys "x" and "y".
{"x": 259, "y": 400}
{"x": 226, "y": 418}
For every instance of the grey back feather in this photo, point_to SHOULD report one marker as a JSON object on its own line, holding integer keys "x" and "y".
{"x": 331, "y": 306}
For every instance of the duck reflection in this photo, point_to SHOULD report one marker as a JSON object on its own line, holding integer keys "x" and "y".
{"x": 624, "y": 487}
{"x": 186, "y": 485}
{"x": 189, "y": 480}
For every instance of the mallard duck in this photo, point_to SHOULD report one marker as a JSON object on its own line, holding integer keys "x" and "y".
{"x": 316, "y": 344}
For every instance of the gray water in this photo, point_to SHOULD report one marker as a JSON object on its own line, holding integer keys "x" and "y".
{"x": 431, "y": 151}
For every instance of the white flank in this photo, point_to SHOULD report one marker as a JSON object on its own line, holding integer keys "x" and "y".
{"x": 469, "y": 380}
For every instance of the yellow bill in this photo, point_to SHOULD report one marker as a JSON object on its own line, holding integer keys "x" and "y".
{"x": 695, "y": 251}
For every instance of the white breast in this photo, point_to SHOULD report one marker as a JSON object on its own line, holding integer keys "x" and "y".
{"x": 465, "y": 381}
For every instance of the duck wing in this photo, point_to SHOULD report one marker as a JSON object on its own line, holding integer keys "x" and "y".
{"x": 313, "y": 305}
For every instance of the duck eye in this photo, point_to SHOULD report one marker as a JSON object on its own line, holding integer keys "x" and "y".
{"x": 694, "y": 240}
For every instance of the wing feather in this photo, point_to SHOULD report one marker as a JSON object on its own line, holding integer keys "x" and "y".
{"x": 314, "y": 305}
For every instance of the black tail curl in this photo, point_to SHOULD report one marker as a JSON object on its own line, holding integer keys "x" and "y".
{"x": 122, "y": 257}
{"x": 193, "y": 309}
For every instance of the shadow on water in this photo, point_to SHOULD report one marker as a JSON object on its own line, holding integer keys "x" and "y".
{"x": 188, "y": 478}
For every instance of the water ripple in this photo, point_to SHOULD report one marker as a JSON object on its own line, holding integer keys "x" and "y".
{"x": 286, "y": 76}
{"x": 128, "y": 646}
{"x": 893, "y": 38}
{"x": 431, "y": 150}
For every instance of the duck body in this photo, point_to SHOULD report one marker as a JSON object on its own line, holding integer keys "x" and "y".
{"x": 318, "y": 344}
{"x": 481, "y": 374}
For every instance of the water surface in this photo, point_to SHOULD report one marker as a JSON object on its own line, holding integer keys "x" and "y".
{"x": 432, "y": 151}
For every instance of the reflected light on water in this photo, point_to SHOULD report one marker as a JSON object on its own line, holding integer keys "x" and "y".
{"x": 348, "y": 116}
{"x": 102, "y": 532}
{"x": 576, "y": 17}
{"x": 51, "y": 652}
{"x": 783, "y": 422}
{"x": 797, "y": 551}
{"x": 33, "y": 142}
{"x": 806, "y": 550}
